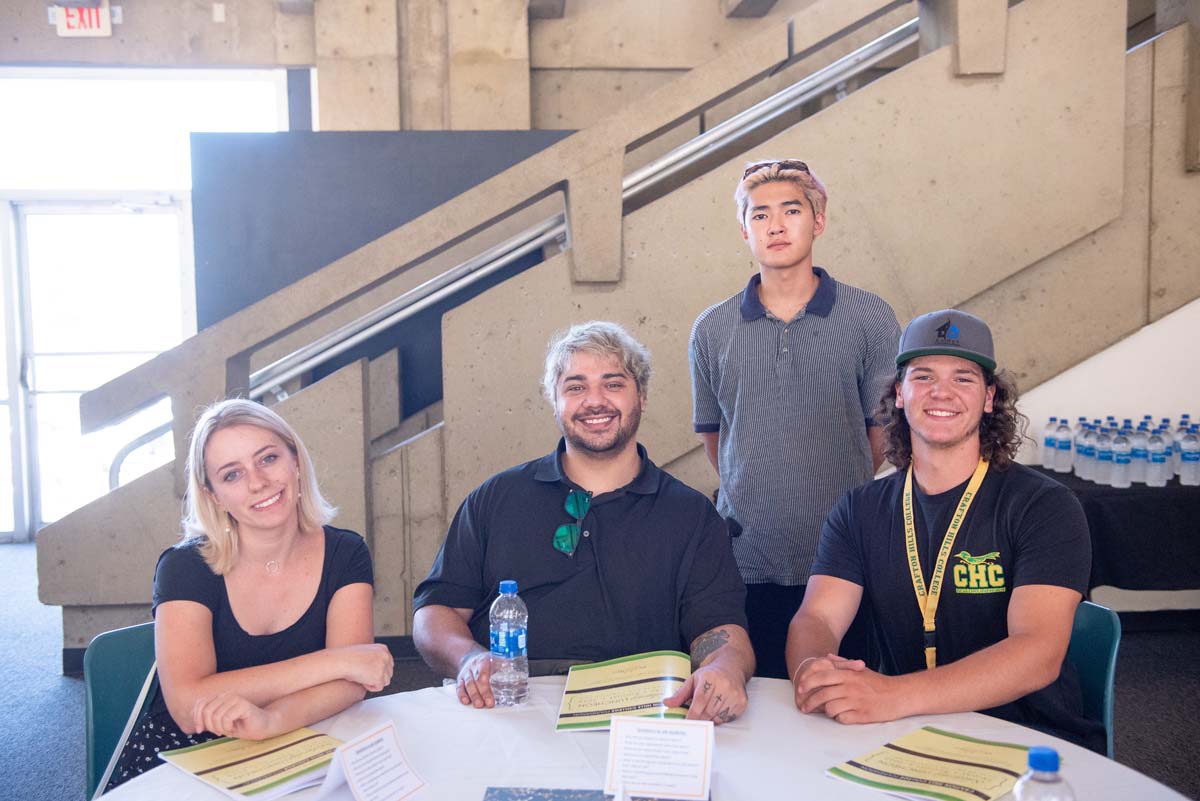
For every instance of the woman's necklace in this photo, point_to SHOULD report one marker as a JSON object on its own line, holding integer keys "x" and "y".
{"x": 275, "y": 566}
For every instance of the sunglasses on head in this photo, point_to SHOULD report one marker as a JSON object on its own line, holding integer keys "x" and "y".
{"x": 785, "y": 164}
{"x": 566, "y": 536}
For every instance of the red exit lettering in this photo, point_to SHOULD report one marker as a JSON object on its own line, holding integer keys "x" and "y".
{"x": 82, "y": 19}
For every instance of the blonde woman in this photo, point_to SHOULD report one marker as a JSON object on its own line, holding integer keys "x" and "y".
{"x": 263, "y": 611}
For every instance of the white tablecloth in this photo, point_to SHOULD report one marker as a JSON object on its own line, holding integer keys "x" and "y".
{"x": 774, "y": 751}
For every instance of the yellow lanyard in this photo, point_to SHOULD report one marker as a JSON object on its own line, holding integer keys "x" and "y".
{"x": 928, "y": 601}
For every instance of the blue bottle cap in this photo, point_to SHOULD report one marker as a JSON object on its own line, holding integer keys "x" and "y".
{"x": 1043, "y": 758}
{"x": 508, "y": 587}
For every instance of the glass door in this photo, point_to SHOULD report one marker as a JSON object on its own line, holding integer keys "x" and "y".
{"x": 103, "y": 289}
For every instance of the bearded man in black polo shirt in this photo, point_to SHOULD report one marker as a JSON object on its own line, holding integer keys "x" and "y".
{"x": 612, "y": 556}
{"x": 972, "y": 565}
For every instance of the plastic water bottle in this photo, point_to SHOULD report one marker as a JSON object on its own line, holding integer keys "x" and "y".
{"x": 1189, "y": 458}
{"x": 1140, "y": 456}
{"x": 1180, "y": 433}
{"x": 1122, "y": 452}
{"x": 1156, "y": 468}
{"x": 1050, "y": 444}
{"x": 1042, "y": 782}
{"x": 510, "y": 660}
{"x": 1089, "y": 444}
{"x": 1062, "y": 452}
{"x": 1104, "y": 457}
{"x": 1085, "y": 448}
{"x": 1169, "y": 439}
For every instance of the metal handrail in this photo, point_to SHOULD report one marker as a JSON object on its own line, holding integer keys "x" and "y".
{"x": 114, "y": 469}
{"x": 461, "y": 276}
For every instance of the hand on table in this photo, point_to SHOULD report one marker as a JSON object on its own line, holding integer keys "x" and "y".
{"x": 474, "y": 683}
{"x": 232, "y": 715}
{"x": 717, "y": 693}
{"x": 845, "y": 690}
{"x": 816, "y": 664}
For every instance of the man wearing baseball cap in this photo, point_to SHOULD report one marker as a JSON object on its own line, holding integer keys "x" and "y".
{"x": 971, "y": 564}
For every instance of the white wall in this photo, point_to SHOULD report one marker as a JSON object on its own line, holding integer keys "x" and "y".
{"x": 1154, "y": 371}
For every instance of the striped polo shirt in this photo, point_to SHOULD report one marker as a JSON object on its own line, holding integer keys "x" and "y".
{"x": 791, "y": 402}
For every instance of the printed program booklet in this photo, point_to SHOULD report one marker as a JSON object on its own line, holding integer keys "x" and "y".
{"x": 934, "y": 763}
{"x": 259, "y": 769}
{"x": 629, "y": 685}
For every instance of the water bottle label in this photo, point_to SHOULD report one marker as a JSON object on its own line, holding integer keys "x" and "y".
{"x": 508, "y": 644}
{"x": 1088, "y": 451}
{"x": 1121, "y": 458}
{"x": 1140, "y": 453}
{"x": 1049, "y": 441}
{"x": 1064, "y": 444}
{"x": 1105, "y": 456}
{"x": 1158, "y": 457}
{"x": 1189, "y": 456}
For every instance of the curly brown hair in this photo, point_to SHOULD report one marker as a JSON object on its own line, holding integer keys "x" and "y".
{"x": 1000, "y": 430}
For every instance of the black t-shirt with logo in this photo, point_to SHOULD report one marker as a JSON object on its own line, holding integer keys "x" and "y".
{"x": 1022, "y": 528}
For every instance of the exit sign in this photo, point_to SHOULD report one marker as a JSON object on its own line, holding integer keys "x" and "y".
{"x": 82, "y": 21}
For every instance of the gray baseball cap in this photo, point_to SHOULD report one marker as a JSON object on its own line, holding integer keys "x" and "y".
{"x": 948, "y": 332}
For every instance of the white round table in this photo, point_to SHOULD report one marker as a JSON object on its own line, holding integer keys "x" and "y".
{"x": 773, "y": 751}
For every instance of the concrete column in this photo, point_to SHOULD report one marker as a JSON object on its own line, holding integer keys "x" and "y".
{"x": 1168, "y": 14}
{"x": 424, "y": 65}
{"x": 594, "y": 220}
{"x": 357, "y": 44}
{"x": 977, "y": 28}
{"x": 489, "y": 64}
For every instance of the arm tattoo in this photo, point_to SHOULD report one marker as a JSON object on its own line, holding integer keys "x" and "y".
{"x": 706, "y": 644}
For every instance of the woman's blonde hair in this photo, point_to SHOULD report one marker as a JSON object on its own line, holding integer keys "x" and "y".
{"x": 203, "y": 519}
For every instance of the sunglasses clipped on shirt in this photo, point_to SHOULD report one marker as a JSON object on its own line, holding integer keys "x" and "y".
{"x": 566, "y": 536}
{"x": 786, "y": 164}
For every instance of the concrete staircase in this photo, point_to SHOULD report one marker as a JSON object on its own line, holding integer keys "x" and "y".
{"x": 1043, "y": 188}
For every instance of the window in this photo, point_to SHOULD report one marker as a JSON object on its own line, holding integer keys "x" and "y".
{"x": 95, "y": 179}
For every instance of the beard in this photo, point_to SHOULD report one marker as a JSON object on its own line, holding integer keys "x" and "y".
{"x": 602, "y": 444}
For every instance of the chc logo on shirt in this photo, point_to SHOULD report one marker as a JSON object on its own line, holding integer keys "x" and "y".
{"x": 974, "y": 575}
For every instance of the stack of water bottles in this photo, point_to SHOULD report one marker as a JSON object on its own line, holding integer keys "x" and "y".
{"x": 1119, "y": 455}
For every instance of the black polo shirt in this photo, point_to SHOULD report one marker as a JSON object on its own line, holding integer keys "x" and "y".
{"x": 653, "y": 570}
{"x": 1022, "y": 528}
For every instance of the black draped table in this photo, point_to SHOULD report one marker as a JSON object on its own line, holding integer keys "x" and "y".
{"x": 1143, "y": 538}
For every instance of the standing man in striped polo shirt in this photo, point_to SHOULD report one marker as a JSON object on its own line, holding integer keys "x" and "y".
{"x": 785, "y": 377}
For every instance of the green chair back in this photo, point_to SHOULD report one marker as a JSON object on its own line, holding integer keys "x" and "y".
{"x": 1093, "y": 651}
{"x": 114, "y": 671}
